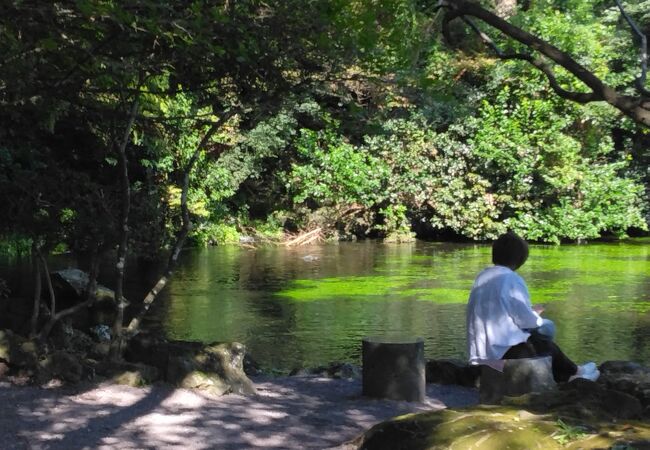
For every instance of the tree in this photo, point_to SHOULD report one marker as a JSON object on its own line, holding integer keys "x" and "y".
{"x": 636, "y": 106}
{"x": 108, "y": 72}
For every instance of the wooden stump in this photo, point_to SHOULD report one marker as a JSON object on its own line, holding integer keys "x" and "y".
{"x": 519, "y": 377}
{"x": 394, "y": 369}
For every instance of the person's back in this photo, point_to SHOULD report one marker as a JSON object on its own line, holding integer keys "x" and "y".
{"x": 498, "y": 312}
{"x": 501, "y": 321}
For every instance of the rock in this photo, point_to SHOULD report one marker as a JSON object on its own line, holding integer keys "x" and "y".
{"x": 18, "y": 352}
{"x": 628, "y": 377}
{"x": 251, "y": 367}
{"x": 519, "y": 376}
{"x": 99, "y": 350}
{"x": 502, "y": 427}
{"x": 101, "y": 333}
{"x": 583, "y": 399}
{"x": 62, "y": 365}
{"x": 194, "y": 364}
{"x": 205, "y": 382}
{"x": 333, "y": 370}
{"x": 452, "y": 371}
{"x": 246, "y": 240}
{"x": 347, "y": 371}
{"x": 4, "y": 369}
{"x": 65, "y": 337}
{"x": 71, "y": 283}
{"x": 622, "y": 367}
{"x": 130, "y": 374}
{"x": 69, "y": 286}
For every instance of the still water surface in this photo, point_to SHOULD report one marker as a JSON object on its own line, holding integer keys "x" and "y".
{"x": 312, "y": 305}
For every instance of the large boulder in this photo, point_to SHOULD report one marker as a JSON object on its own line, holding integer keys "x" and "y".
{"x": 581, "y": 414}
{"x": 216, "y": 368}
{"x": 500, "y": 427}
{"x": 70, "y": 286}
{"x": 629, "y": 377}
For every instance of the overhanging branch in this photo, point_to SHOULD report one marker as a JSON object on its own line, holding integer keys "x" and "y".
{"x": 636, "y": 108}
{"x": 539, "y": 63}
{"x": 643, "y": 50}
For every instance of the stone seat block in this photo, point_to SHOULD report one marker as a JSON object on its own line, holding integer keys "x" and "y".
{"x": 519, "y": 376}
{"x": 394, "y": 369}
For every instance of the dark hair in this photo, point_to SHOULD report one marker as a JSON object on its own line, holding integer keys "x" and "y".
{"x": 509, "y": 250}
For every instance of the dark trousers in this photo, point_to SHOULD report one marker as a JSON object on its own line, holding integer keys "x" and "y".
{"x": 540, "y": 345}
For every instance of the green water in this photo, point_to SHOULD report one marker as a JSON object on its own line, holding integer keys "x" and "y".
{"x": 291, "y": 311}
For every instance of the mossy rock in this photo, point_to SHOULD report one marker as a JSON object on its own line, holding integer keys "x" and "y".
{"x": 500, "y": 428}
{"x": 205, "y": 382}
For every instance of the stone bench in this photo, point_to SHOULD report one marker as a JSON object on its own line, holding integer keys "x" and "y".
{"x": 394, "y": 369}
{"x": 519, "y": 376}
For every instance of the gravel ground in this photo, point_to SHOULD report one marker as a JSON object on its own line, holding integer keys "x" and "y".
{"x": 288, "y": 413}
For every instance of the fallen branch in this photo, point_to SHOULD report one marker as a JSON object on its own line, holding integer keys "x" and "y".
{"x": 305, "y": 238}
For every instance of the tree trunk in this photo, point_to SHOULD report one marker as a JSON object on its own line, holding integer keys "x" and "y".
{"x": 36, "y": 269}
{"x": 116, "y": 344}
{"x": 48, "y": 280}
{"x": 186, "y": 227}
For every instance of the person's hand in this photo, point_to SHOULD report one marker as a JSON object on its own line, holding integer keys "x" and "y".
{"x": 538, "y": 308}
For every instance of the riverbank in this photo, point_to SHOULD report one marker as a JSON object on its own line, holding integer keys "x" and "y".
{"x": 287, "y": 413}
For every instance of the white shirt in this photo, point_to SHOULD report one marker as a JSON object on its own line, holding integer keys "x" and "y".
{"x": 498, "y": 311}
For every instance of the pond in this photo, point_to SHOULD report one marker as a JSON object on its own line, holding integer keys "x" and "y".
{"x": 302, "y": 307}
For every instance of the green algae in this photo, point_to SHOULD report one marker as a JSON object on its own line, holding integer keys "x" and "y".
{"x": 345, "y": 287}
{"x": 445, "y": 277}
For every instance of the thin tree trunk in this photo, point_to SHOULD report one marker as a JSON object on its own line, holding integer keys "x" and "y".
{"x": 122, "y": 249}
{"x": 36, "y": 269}
{"x": 48, "y": 281}
{"x": 186, "y": 227}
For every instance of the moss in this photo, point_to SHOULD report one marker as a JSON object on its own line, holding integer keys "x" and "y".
{"x": 499, "y": 428}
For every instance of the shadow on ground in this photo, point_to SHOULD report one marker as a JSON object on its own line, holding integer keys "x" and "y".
{"x": 288, "y": 413}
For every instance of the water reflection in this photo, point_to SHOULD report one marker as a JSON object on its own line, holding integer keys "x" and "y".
{"x": 294, "y": 311}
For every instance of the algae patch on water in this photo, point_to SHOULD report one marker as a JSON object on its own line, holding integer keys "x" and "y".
{"x": 371, "y": 287}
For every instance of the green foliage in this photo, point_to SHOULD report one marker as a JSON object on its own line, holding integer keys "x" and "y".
{"x": 567, "y": 433}
{"x": 335, "y": 170}
{"x": 352, "y": 111}
{"x": 15, "y": 246}
{"x": 207, "y": 233}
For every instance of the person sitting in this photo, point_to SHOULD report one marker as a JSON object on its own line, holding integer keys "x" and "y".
{"x": 503, "y": 324}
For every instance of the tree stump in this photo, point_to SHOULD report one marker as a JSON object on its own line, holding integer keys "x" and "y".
{"x": 394, "y": 369}
{"x": 519, "y": 377}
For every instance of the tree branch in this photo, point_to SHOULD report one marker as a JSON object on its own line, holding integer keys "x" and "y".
{"x": 643, "y": 50}
{"x": 635, "y": 107}
{"x": 124, "y": 230}
{"x": 539, "y": 63}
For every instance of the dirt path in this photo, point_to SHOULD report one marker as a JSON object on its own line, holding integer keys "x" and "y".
{"x": 289, "y": 413}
